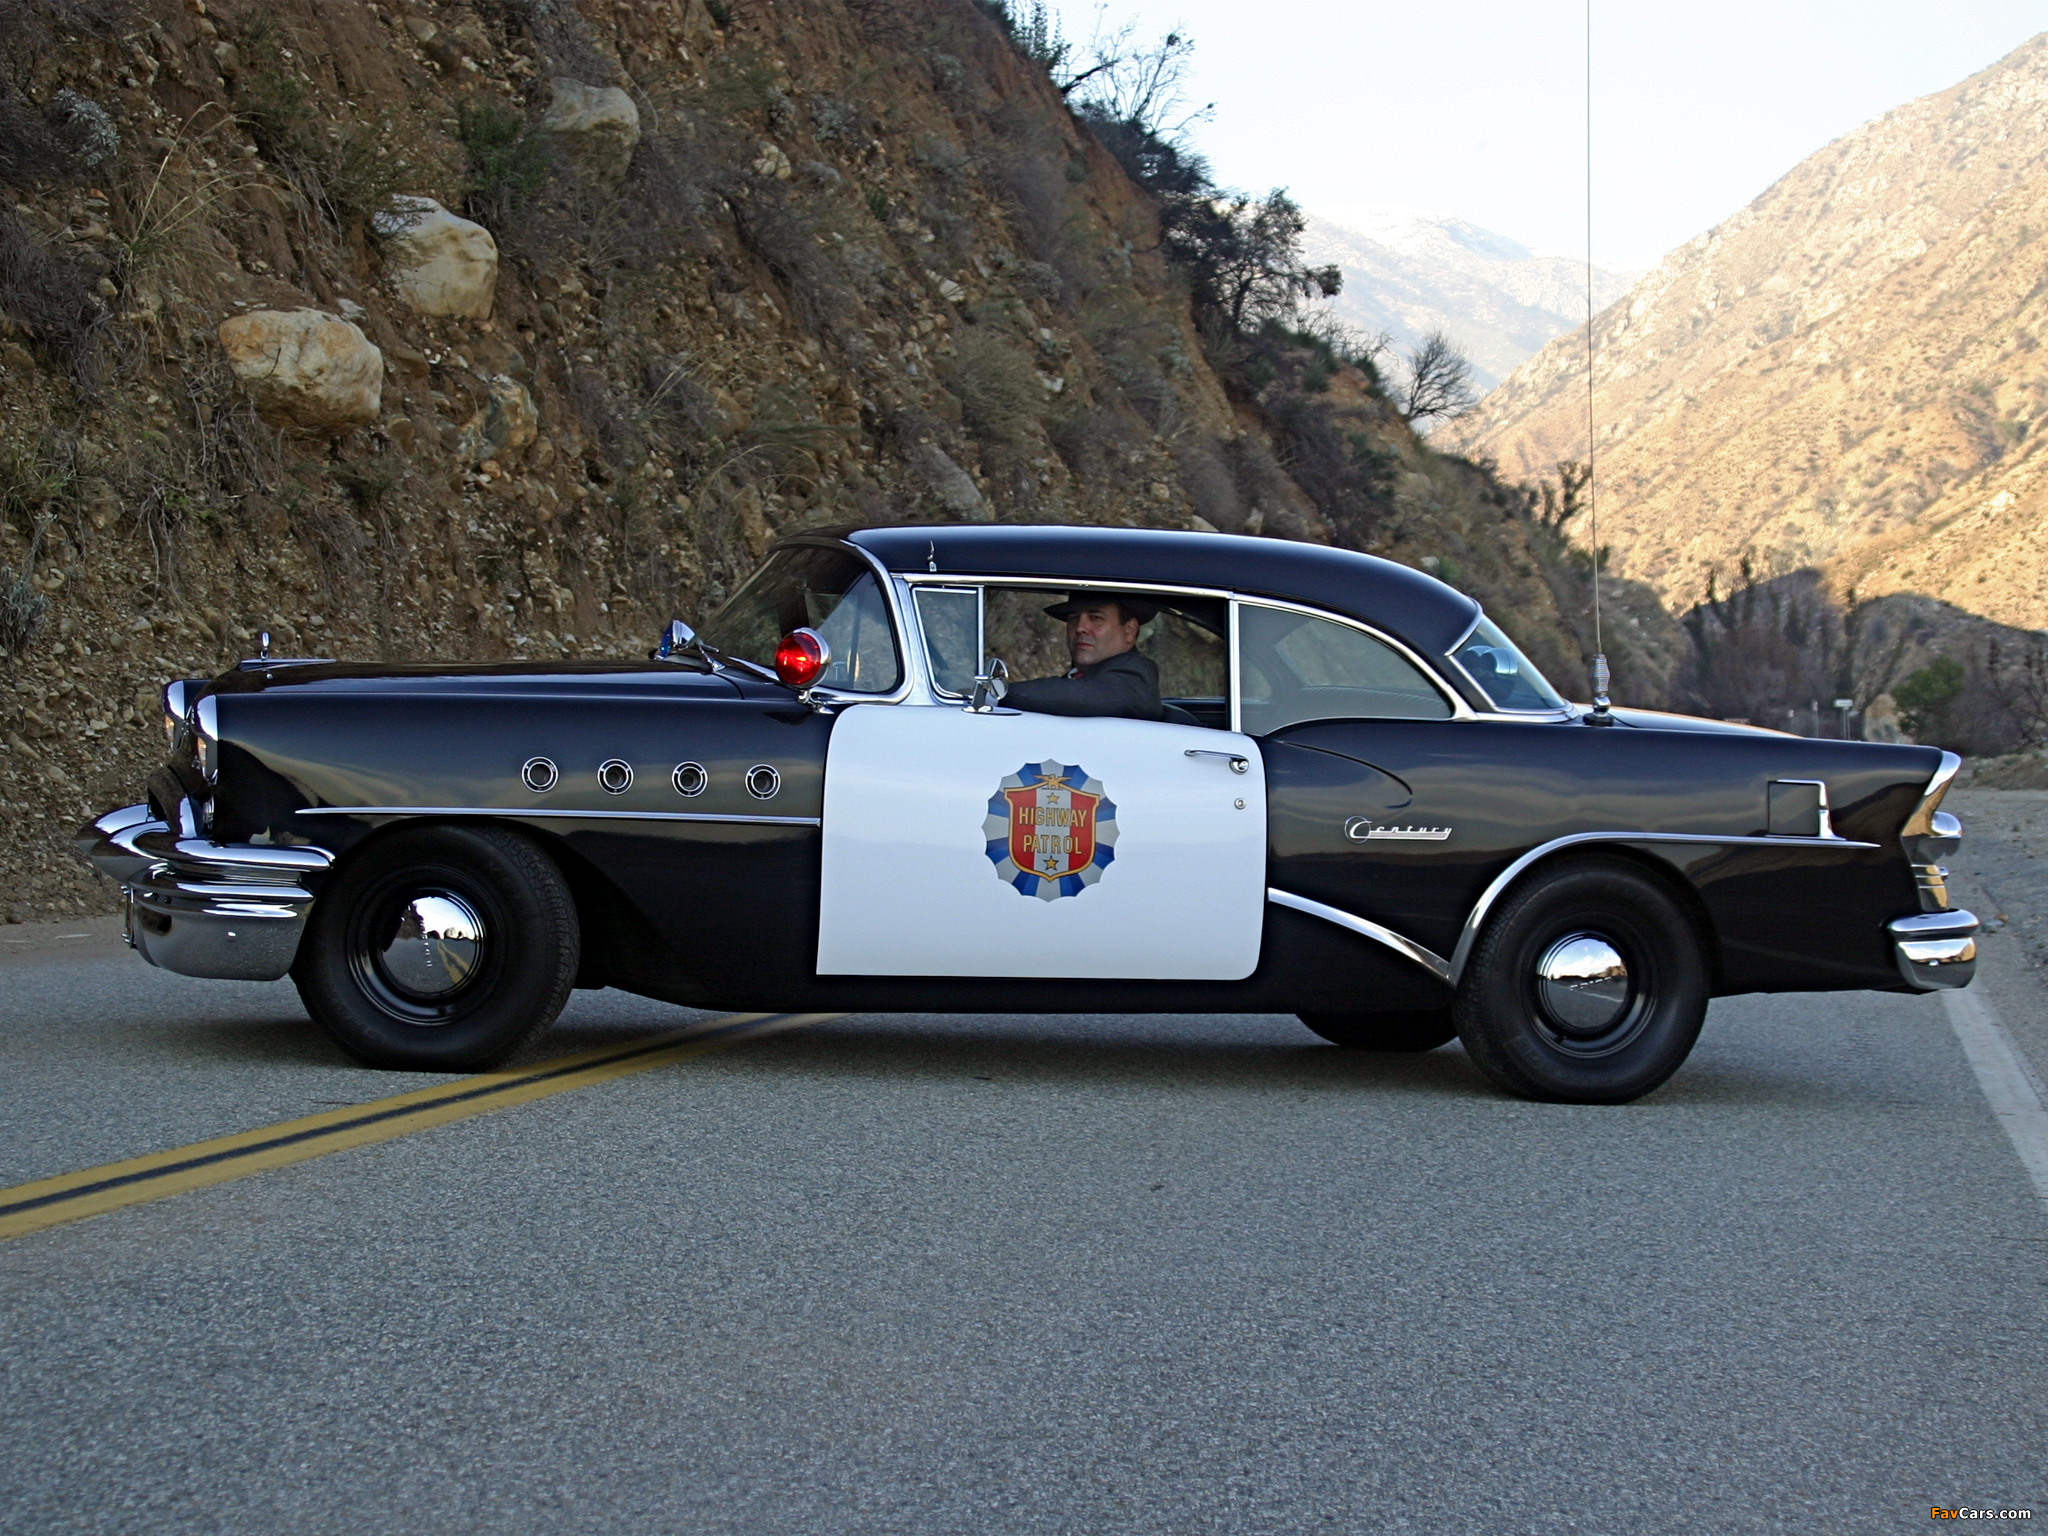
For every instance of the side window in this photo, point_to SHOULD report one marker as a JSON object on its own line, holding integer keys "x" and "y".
{"x": 1185, "y": 639}
{"x": 1295, "y": 667}
{"x": 951, "y": 620}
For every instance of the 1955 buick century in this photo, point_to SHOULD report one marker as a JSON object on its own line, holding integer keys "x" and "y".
{"x": 1363, "y": 806}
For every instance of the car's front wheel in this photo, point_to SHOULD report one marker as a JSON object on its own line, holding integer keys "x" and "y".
{"x": 440, "y": 949}
{"x": 1407, "y": 1030}
{"x": 1588, "y": 986}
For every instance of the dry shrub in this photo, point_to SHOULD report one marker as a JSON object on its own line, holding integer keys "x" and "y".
{"x": 1093, "y": 442}
{"x": 52, "y": 300}
{"x": 1330, "y": 456}
{"x": 29, "y": 29}
{"x": 1001, "y": 400}
{"x": 782, "y": 233}
{"x": 31, "y": 148}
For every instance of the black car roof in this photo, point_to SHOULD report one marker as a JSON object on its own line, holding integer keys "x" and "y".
{"x": 1414, "y": 607}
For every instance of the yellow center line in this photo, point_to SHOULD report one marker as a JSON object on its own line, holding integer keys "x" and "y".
{"x": 90, "y": 1191}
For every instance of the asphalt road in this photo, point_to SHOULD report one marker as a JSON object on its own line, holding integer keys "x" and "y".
{"x": 998, "y": 1274}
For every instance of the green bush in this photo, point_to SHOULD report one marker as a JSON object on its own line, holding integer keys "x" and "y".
{"x": 1927, "y": 698}
{"x": 355, "y": 183}
{"x": 270, "y": 103}
{"x": 508, "y": 161}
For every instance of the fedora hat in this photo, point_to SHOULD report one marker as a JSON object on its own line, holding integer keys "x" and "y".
{"x": 1129, "y": 604}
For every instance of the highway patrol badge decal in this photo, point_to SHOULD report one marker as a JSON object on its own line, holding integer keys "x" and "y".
{"x": 1051, "y": 830}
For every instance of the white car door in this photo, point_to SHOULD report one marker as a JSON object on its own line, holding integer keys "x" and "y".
{"x": 959, "y": 843}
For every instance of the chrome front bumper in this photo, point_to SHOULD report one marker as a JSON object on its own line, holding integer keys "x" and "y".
{"x": 232, "y": 912}
{"x": 1935, "y": 950}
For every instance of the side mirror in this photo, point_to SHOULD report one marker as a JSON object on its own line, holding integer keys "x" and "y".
{"x": 677, "y": 637}
{"x": 990, "y": 686}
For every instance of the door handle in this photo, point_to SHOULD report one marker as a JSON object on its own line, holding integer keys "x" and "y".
{"x": 1237, "y": 764}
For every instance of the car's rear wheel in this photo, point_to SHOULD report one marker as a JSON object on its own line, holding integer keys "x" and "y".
{"x": 1405, "y": 1030}
{"x": 440, "y": 949}
{"x": 1588, "y": 986}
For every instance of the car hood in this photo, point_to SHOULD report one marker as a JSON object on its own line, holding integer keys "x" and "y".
{"x": 1662, "y": 720}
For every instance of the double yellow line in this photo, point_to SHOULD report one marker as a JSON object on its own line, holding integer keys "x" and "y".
{"x": 91, "y": 1191}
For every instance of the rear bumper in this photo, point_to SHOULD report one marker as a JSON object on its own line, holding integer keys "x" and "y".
{"x": 231, "y": 912}
{"x": 1935, "y": 950}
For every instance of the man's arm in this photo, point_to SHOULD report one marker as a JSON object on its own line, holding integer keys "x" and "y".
{"x": 1126, "y": 686}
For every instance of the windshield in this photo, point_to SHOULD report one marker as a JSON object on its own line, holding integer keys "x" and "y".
{"x": 1491, "y": 660}
{"x": 823, "y": 589}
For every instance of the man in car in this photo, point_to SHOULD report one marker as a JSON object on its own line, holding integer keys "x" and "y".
{"x": 1109, "y": 676}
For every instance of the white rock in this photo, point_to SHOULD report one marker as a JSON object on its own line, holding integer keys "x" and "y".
{"x": 1881, "y": 721}
{"x": 440, "y": 264}
{"x": 304, "y": 368}
{"x": 594, "y": 126}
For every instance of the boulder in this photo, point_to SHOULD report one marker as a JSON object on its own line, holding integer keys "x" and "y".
{"x": 505, "y": 427}
{"x": 594, "y": 128}
{"x": 1881, "y": 721}
{"x": 304, "y": 368}
{"x": 952, "y": 485}
{"x": 440, "y": 264}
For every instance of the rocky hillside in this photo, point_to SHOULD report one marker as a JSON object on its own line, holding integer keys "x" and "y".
{"x": 1408, "y": 273}
{"x": 1846, "y": 374}
{"x": 513, "y": 328}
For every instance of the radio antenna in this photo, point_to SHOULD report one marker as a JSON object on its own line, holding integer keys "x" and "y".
{"x": 1600, "y": 674}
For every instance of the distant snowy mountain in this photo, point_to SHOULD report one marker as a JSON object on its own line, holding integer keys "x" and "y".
{"x": 1407, "y": 272}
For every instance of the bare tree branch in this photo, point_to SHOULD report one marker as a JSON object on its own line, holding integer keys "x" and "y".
{"x": 1439, "y": 381}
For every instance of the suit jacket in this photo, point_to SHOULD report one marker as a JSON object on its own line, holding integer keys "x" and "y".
{"x": 1126, "y": 685}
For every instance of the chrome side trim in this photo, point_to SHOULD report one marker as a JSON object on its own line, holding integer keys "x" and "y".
{"x": 1051, "y": 583}
{"x": 1428, "y": 959}
{"x": 532, "y": 814}
{"x": 1506, "y": 877}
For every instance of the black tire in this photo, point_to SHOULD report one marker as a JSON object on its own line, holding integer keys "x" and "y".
{"x": 1408, "y": 1030}
{"x": 385, "y": 1003}
{"x": 1556, "y": 1043}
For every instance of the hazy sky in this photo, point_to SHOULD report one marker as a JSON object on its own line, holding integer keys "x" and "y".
{"x": 1477, "y": 107}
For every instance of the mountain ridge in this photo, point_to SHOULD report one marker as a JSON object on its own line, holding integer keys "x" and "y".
{"x": 1409, "y": 271}
{"x": 1844, "y": 374}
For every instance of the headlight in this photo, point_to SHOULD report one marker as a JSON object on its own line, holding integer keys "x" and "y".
{"x": 175, "y": 722}
{"x": 193, "y": 729}
{"x": 206, "y": 727}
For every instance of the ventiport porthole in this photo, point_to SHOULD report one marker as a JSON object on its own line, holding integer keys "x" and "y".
{"x": 614, "y": 776}
{"x": 690, "y": 779}
{"x": 539, "y": 775}
{"x": 763, "y": 781}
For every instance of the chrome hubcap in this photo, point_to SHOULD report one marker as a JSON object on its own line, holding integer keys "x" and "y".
{"x": 436, "y": 947}
{"x": 1582, "y": 984}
